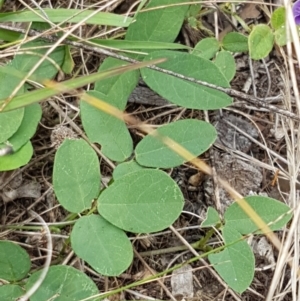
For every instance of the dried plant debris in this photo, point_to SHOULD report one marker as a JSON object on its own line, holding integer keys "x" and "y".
{"x": 230, "y": 136}
{"x": 18, "y": 188}
{"x": 59, "y": 134}
{"x": 241, "y": 175}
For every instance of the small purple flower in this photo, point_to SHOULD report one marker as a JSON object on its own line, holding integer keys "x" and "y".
{"x": 296, "y": 12}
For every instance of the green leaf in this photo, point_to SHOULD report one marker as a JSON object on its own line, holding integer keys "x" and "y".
{"x": 235, "y": 42}
{"x": 25, "y": 61}
{"x": 226, "y": 63}
{"x": 212, "y": 218}
{"x": 207, "y": 48}
{"x": 68, "y": 63}
{"x": 14, "y": 261}
{"x": 69, "y": 85}
{"x": 76, "y": 175}
{"x": 64, "y": 283}
{"x": 103, "y": 246}
{"x": 18, "y": 159}
{"x": 111, "y": 133}
{"x": 126, "y": 168}
{"x": 236, "y": 263}
{"x": 194, "y": 135}
{"x": 60, "y": 15}
{"x": 267, "y": 208}
{"x": 280, "y": 36}
{"x": 193, "y": 10}
{"x": 142, "y": 202}
{"x": 9, "y": 35}
{"x": 119, "y": 87}
{"x": 9, "y": 123}
{"x": 261, "y": 40}
{"x": 184, "y": 93}
{"x": 278, "y": 18}
{"x": 8, "y": 82}
{"x": 30, "y": 121}
{"x": 162, "y": 24}
{"x": 10, "y": 292}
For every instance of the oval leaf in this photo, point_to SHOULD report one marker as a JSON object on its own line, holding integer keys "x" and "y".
{"x": 195, "y": 135}
{"x": 103, "y": 246}
{"x": 236, "y": 263}
{"x": 226, "y": 63}
{"x": 119, "y": 87}
{"x": 267, "y": 208}
{"x": 14, "y": 261}
{"x": 10, "y": 292}
{"x": 32, "y": 116}
{"x": 142, "y": 202}
{"x": 184, "y": 93}
{"x": 25, "y": 62}
{"x": 207, "y": 48}
{"x": 161, "y": 25}
{"x": 235, "y": 42}
{"x": 261, "y": 41}
{"x": 18, "y": 159}
{"x": 111, "y": 133}
{"x": 280, "y": 36}
{"x": 64, "y": 282}
{"x": 278, "y": 18}
{"x": 125, "y": 168}
{"x": 76, "y": 175}
{"x": 9, "y": 123}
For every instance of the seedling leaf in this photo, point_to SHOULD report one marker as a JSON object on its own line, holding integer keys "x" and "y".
{"x": 64, "y": 282}
{"x": 76, "y": 175}
{"x": 142, "y": 202}
{"x": 278, "y": 18}
{"x": 236, "y": 263}
{"x": 268, "y": 209}
{"x": 111, "y": 133}
{"x": 184, "y": 93}
{"x": 18, "y": 159}
{"x": 103, "y": 246}
{"x": 280, "y": 36}
{"x": 195, "y": 135}
{"x": 261, "y": 40}
{"x": 14, "y": 261}
{"x": 149, "y": 24}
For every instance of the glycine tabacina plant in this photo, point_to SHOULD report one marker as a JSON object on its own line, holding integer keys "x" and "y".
{"x": 142, "y": 197}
